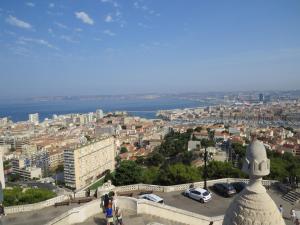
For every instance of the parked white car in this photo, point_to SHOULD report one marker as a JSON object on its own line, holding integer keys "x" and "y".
{"x": 152, "y": 197}
{"x": 199, "y": 194}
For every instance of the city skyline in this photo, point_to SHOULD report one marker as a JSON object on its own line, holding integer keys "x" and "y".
{"x": 55, "y": 48}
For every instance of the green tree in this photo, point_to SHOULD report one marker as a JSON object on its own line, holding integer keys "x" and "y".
{"x": 178, "y": 174}
{"x": 129, "y": 172}
{"x": 207, "y": 143}
{"x": 17, "y": 196}
{"x": 155, "y": 159}
{"x": 150, "y": 175}
{"x": 239, "y": 149}
{"x": 218, "y": 169}
{"x": 198, "y": 129}
{"x": 123, "y": 150}
{"x": 278, "y": 169}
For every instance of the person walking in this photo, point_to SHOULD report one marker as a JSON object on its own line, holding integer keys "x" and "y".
{"x": 293, "y": 215}
{"x": 281, "y": 210}
{"x": 109, "y": 214}
{"x": 297, "y": 222}
{"x": 2, "y": 213}
{"x": 106, "y": 201}
{"x": 119, "y": 216}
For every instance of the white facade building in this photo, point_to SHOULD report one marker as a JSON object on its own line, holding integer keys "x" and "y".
{"x": 86, "y": 163}
{"x": 34, "y": 118}
{"x": 99, "y": 114}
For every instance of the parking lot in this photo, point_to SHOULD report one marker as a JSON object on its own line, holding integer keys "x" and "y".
{"x": 218, "y": 205}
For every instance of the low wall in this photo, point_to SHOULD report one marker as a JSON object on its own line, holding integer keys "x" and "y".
{"x": 35, "y": 206}
{"x": 127, "y": 188}
{"x": 175, "y": 214}
{"x": 181, "y": 187}
{"x": 78, "y": 215}
{"x": 138, "y": 206}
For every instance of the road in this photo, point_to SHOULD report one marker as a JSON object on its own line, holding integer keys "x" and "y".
{"x": 217, "y": 206}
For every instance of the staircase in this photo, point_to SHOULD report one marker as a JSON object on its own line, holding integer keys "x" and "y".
{"x": 292, "y": 197}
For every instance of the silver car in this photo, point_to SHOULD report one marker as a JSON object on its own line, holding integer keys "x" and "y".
{"x": 198, "y": 194}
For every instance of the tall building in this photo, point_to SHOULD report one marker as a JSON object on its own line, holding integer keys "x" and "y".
{"x": 86, "y": 163}
{"x": 90, "y": 117}
{"x": 2, "y": 180}
{"x": 99, "y": 114}
{"x": 22, "y": 167}
{"x": 261, "y": 97}
{"x": 34, "y": 118}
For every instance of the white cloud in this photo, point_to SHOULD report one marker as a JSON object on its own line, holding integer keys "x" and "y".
{"x": 10, "y": 33}
{"x": 136, "y": 5}
{"x": 112, "y": 2}
{"x": 30, "y": 4}
{"x": 18, "y": 23}
{"x": 108, "y": 19}
{"x": 109, "y": 33}
{"x": 19, "y": 50}
{"x": 68, "y": 39}
{"x": 143, "y": 25}
{"x": 78, "y": 29}
{"x": 43, "y": 42}
{"x": 60, "y": 25}
{"x": 51, "y": 5}
{"x": 84, "y": 17}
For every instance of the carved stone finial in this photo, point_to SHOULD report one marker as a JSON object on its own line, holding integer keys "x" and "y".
{"x": 256, "y": 163}
{"x": 254, "y": 206}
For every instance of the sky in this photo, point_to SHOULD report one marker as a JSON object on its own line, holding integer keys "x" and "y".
{"x": 90, "y": 47}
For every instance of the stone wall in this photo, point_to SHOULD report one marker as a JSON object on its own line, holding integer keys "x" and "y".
{"x": 122, "y": 189}
{"x": 35, "y": 206}
{"x": 137, "y": 206}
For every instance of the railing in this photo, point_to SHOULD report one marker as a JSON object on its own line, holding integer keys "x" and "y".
{"x": 181, "y": 187}
{"x": 127, "y": 188}
{"x": 137, "y": 206}
{"x": 35, "y": 206}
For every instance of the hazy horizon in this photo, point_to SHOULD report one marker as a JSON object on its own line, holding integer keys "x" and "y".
{"x": 148, "y": 94}
{"x": 112, "y": 47}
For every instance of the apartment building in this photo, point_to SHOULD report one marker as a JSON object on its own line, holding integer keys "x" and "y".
{"x": 21, "y": 167}
{"x": 86, "y": 163}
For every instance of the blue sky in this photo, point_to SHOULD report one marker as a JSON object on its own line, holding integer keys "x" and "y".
{"x": 83, "y": 47}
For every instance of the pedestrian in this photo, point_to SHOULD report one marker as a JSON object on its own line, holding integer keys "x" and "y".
{"x": 106, "y": 201}
{"x": 87, "y": 193}
{"x": 114, "y": 203}
{"x": 281, "y": 210}
{"x": 109, "y": 214}
{"x": 118, "y": 214}
{"x": 293, "y": 215}
{"x": 297, "y": 222}
{"x": 2, "y": 213}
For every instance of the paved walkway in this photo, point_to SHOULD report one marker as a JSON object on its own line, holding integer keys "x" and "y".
{"x": 130, "y": 219}
{"x": 213, "y": 208}
{"x": 38, "y": 217}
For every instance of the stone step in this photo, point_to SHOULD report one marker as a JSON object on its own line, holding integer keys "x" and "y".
{"x": 292, "y": 197}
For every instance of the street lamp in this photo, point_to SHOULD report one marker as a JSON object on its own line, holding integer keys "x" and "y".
{"x": 205, "y": 169}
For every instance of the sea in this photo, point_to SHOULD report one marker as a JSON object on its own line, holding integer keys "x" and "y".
{"x": 145, "y": 108}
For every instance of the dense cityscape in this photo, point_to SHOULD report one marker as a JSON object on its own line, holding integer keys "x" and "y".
{"x": 142, "y": 112}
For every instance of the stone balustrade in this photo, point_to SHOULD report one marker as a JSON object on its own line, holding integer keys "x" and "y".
{"x": 181, "y": 187}
{"x": 127, "y": 188}
{"x": 136, "y": 206}
{"x": 35, "y": 206}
